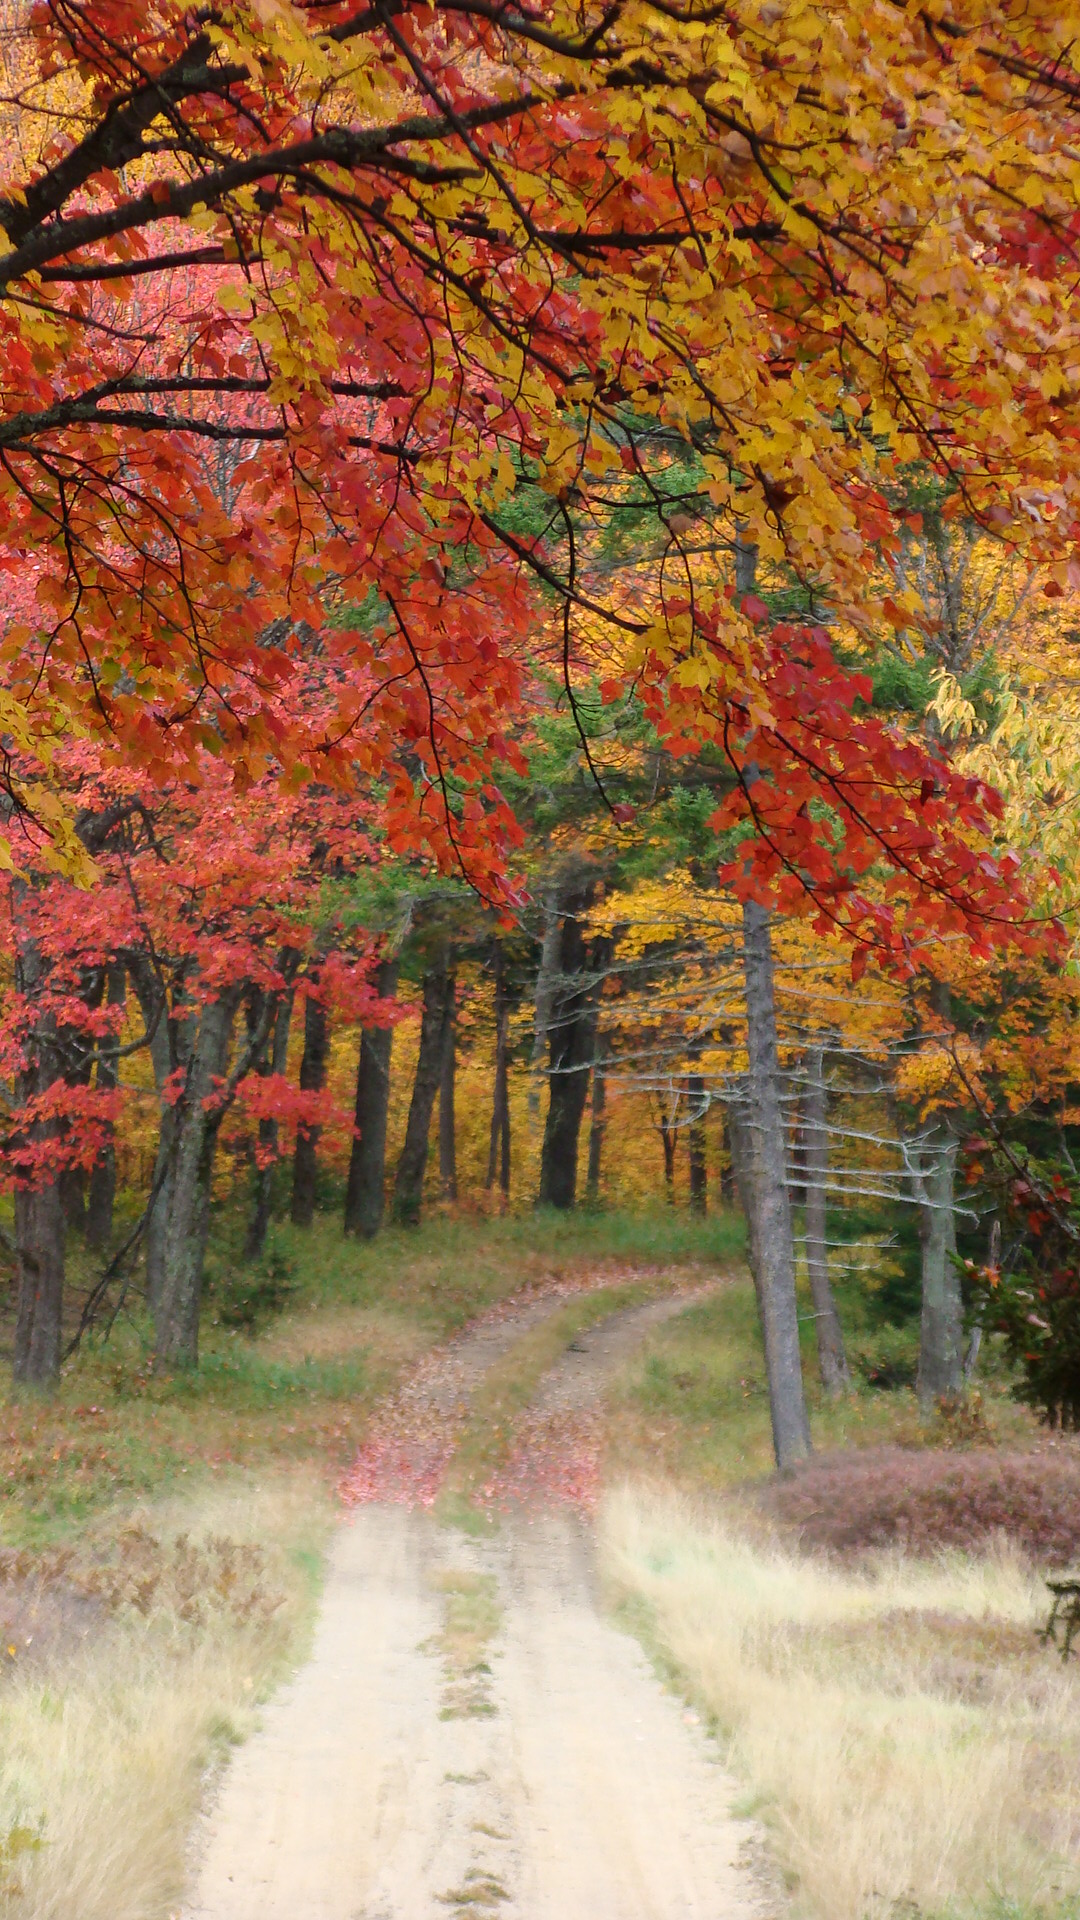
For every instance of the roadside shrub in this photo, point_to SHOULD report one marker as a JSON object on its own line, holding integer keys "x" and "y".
{"x": 883, "y": 1497}
{"x": 248, "y": 1298}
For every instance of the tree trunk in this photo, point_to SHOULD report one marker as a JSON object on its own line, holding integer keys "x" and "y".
{"x": 39, "y": 1245}
{"x": 597, "y": 1124}
{"x": 409, "y": 1178}
{"x": 312, "y": 1080}
{"x": 39, "y": 1211}
{"x": 499, "y": 1139}
{"x": 832, "y": 1359}
{"x": 545, "y": 988}
{"x": 571, "y": 1040}
{"x": 367, "y": 1160}
{"x": 101, "y": 1188}
{"x": 728, "y": 1181}
{"x": 771, "y": 1240}
{"x": 941, "y": 1330}
{"x": 447, "y": 1125}
{"x": 276, "y": 1063}
{"x": 197, "y": 1117}
{"x": 77, "y": 1051}
{"x": 669, "y": 1140}
{"x": 154, "y": 1236}
{"x": 698, "y": 1104}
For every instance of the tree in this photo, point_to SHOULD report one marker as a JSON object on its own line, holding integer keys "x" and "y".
{"x": 571, "y": 1024}
{"x": 367, "y": 1158}
{"x": 832, "y": 1359}
{"x": 772, "y": 1253}
{"x": 499, "y": 1137}
{"x": 438, "y": 991}
{"x": 312, "y": 1080}
{"x": 385, "y": 271}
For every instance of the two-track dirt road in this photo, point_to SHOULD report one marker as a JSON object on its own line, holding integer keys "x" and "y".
{"x": 569, "y": 1786}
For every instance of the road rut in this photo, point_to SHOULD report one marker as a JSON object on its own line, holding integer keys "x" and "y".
{"x": 571, "y": 1786}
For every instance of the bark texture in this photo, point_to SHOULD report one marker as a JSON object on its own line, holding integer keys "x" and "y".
{"x": 545, "y": 989}
{"x": 698, "y": 1103}
{"x": 765, "y": 1177}
{"x": 101, "y": 1186}
{"x": 39, "y": 1211}
{"x": 365, "y": 1187}
{"x": 571, "y": 1043}
{"x": 273, "y": 1060}
{"x": 447, "y": 1120}
{"x": 941, "y": 1326}
{"x": 597, "y": 1124}
{"x": 312, "y": 1080}
{"x": 412, "y": 1162}
{"x": 39, "y": 1247}
{"x": 832, "y": 1358}
{"x": 196, "y": 1121}
{"x": 163, "y": 1033}
{"x": 669, "y": 1140}
{"x": 499, "y": 1137}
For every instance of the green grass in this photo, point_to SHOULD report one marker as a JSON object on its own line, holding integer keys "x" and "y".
{"x": 694, "y": 1402}
{"x": 301, "y": 1385}
{"x": 507, "y": 1389}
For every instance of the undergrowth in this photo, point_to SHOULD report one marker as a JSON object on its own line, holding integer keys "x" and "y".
{"x": 176, "y": 1622}
{"x": 910, "y": 1746}
{"x": 297, "y": 1384}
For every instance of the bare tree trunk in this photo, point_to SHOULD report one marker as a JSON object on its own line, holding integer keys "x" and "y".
{"x": 276, "y": 1063}
{"x": 77, "y": 1050}
{"x": 499, "y": 1139}
{"x": 698, "y": 1104}
{"x": 197, "y": 1117}
{"x": 669, "y": 1140}
{"x": 941, "y": 1330}
{"x": 366, "y": 1183}
{"x": 772, "y": 1246}
{"x": 101, "y": 1188}
{"x": 728, "y": 1180}
{"x": 312, "y": 1080}
{"x": 39, "y": 1245}
{"x": 572, "y": 1038}
{"x": 597, "y": 1123}
{"x": 150, "y": 993}
{"x": 409, "y": 1179}
{"x": 545, "y": 988}
{"x": 39, "y": 1211}
{"x": 447, "y": 1074}
{"x": 832, "y": 1359}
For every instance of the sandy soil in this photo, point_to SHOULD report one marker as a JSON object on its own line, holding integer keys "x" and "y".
{"x": 570, "y": 1786}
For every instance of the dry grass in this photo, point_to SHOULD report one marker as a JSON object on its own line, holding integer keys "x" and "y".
{"x": 912, "y": 1748}
{"x": 104, "y": 1743}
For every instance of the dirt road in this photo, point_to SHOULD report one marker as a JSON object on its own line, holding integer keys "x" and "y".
{"x": 471, "y": 1735}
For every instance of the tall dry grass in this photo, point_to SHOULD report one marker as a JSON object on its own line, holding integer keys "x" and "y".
{"x": 911, "y": 1746}
{"x": 104, "y": 1746}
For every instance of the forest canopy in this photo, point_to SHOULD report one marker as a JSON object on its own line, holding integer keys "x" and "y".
{"x": 568, "y": 511}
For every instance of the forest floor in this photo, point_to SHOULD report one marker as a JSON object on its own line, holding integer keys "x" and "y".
{"x": 550, "y": 1436}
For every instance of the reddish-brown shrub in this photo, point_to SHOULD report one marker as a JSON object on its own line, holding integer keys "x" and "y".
{"x": 849, "y": 1503}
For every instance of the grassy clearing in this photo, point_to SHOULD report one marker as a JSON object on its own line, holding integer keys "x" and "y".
{"x": 694, "y": 1403}
{"x": 509, "y": 1387}
{"x": 161, "y": 1538}
{"x": 911, "y": 1748}
{"x": 199, "y": 1604}
{"x": 299, "y": 1388}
